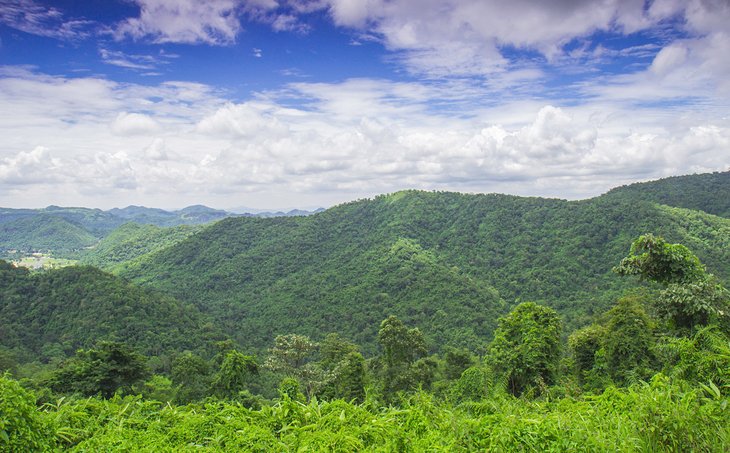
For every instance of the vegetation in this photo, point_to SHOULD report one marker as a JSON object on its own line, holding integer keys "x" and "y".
{"x": 43, "y": 233}
{"x": 448, "y": 263}
{"x": 131, "y": 241}
{"x": 48, "y": 316}
{"x": 415, "y": 350}
{"x": 689, "y": 192}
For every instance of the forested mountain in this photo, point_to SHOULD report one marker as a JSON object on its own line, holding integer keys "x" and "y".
{"x": 133, "y": 240}
{"x": 192, "y": 215}
{"x": 709, "y": 192}
{"x": 66, "y": 231}
{"x": 432, "y": 258}
{"x": 49, "y": 315}
{"x": 43, "y": 233}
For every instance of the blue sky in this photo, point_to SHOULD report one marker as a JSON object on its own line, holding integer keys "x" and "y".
{"x": 302, "y": 103}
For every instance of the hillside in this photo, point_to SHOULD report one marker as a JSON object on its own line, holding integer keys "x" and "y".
{"x": 51, "y": 314}
{"x": 709, "y": 192}
{"x": 433, "y": 259}
{"x": 133, "y": 240}
{"x": 63, "y": 231}
{"x": 44, "y": 232}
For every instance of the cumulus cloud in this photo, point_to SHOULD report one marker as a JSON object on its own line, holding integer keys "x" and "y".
{"x": 134, "y": 124}
{"x": 457, "y": 37}
{"x": 184, "y": 21}
{"x": 180, "y": 141}
{"x": 29, "y": 167}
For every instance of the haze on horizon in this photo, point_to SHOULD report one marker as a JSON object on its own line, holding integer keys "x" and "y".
{"x": 301, "y": 103}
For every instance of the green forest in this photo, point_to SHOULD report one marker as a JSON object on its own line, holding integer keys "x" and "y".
{"x": 414, "y": 321}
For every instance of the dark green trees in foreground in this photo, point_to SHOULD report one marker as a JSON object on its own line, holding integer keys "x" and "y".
{"x": 526, "y": 348}
{"x": 105, "y": 369}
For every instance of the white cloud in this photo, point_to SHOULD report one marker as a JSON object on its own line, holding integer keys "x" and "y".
{"x": 466, "y": 37}
{"x": 28, "y": 167}
{"x": 176, "y": 143}
{"x": 157, "y": 150}
{"x": 184, "y": 21}
{"x": 134, "y": 124}
{"x": 136, "y": 62}
{"x": 31, "y": 17}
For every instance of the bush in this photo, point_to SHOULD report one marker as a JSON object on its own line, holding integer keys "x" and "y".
{"x": 22, "y": 428}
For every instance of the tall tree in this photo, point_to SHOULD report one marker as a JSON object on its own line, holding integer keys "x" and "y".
{"x": 399, "y": 367}
{"x": 191, "y": 375}
{"x": 691, "y": 297}
{"x": 526, "y": 347}
{"x": 234, "y": 374}
{"x": 628, "y": 341}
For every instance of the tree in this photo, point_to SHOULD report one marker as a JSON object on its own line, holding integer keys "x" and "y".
{"x": 584, "y": 344}
{"x": 400, "y": 344}
{"x": 234, "y": 374}
{"x": 456, "y": 361}
{"x": 291, "y": 356}
{"x": 691, "y": 297}
{"x": 333, "y": 349}
{"x": 191, "y": 375}
{"x": 106, "y": 368}
{"x": 290, "y": 353}
{"x": 526, "y": 348}
{"x": 22, "y": 427}
{"x": 344, "y": 369}
{"x": 652, "y": 258}
{"x": 628, "y": 341}
{"x": 399, "y": 367}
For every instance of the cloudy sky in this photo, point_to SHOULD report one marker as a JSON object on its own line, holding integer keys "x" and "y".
{"x": 305, "y": 103}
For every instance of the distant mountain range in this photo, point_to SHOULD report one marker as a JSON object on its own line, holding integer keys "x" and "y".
{"x": 66, "y": 231}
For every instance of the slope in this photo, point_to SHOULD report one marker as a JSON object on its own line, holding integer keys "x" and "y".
{"x": 51, "y": 314}
{"x": 43, "y": 232}
{"x": 133, "y": 240}
{"x": 709, "y": 192}
{"x": 330, "y": 271}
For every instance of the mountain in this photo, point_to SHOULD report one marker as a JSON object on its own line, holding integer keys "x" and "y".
{"x": 44, "y": 232}
{"x": 192, "y": 215}
{"x": 438, "y": 260}
{"x": 51, "y": 314}
{"x": 709, "y": 192}
{"x": 132, "y": 241}
{"x": 36, "y": 230}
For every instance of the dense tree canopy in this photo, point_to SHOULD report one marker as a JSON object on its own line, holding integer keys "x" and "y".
{"x": 526, "y": 348}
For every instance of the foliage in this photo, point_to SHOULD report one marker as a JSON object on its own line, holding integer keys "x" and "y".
{"x": 448, "y": 263}
{"x": 44, "y": 233}
{"x": 234, "y": 374}
{"x": 652, "y": 258}
{"x": 662, "y": 415}
{"x": 132, "y": 241}
{"x": 104, "y": 369}
{"x": 709, "y": 192}
{"x": 526, "y": 348}
{"x": 473, "y": 385}
{"x": 628, "y": 341}
{"x": 703, "y": 358}
{"x": 191, "y": 376}
{"x": 584, "y": 344}
{"x": 402, "y": 366}
{"x": 691, "y": 297}
{"x": 49, "y": 315}
{"x": 22, "y": 427}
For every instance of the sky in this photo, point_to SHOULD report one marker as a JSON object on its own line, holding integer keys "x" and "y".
{"x": 276, "y": 104}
